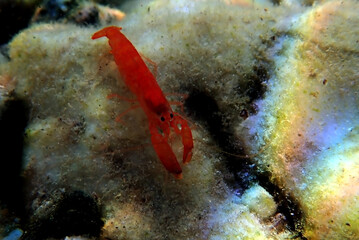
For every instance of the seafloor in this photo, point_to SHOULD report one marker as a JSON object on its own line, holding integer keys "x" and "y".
{"x": 270, "y": 90}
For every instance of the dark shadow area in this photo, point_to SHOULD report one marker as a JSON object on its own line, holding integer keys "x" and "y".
{"x": 113, "y": 3}
{"x": 203, "y": 108}
{"x": 256, "y": 84}
{"x": 79, "y": 12}
{"x": 15, "y": 16}
{"x": 276, "y": 2}
{"x": 287, "y": 204}
{"x": 74, "y": 214}
{"x": 13, "y": 120}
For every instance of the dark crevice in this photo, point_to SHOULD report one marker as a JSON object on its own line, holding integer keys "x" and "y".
{"x": 257, "y": 83}
{"x": 287, "y": 204}
{"x": 203, "y": 108}
{"x": 255, "y": 87}
{"x": 79, "y": 12}
{"x": 55, "y": 10}
{"x": 74, "y": 214}
{"x": 4, "y": 50}
{"x": 16, "y": 15}
{"x": 276, "y": 2}
{"x": 13, "y": 120}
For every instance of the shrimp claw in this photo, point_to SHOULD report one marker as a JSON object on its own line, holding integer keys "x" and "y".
{"x": 186, "y": 135}
{"x": 165, "y": 153}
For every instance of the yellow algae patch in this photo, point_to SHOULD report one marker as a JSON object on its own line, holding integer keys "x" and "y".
{"x": 259, "y": 201}
{"x": 233, "y": 219}
{"x": 230, "y": 220}
{"x": 333, "y": 24}
{"x": 127, "y": 222}
{"x": 331, "y": 194}
{"x": 314, "y": 93}
{"x": 289, "y": 119}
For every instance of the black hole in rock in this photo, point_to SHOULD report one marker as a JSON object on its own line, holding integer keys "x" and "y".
{"x": 89, "y": 17}
{"x": 276, "y": 2}
{"x": 55, "y": 10}
{"x": 256, "y": 85}
{"x": 16, "y": 15}
{"x": 13, "y": 120}
{"x": 287, "y": 204}
{"x": 74, "y": 214}
{"x": 204, "y": 108}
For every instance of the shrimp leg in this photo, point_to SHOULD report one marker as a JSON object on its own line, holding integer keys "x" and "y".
{"x": 152, "y": 63}
{"x": 118, "y": 118}
{"x": 115, "y": 95}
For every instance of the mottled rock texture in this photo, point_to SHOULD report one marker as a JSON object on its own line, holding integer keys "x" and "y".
{"x": 275, "y": 84}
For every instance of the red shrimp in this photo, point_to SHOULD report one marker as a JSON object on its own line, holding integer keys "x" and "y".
{"x": 151, "y": 99}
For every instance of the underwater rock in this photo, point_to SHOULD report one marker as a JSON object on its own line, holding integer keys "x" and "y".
{"x": 80, "y": 12}
{"x": 231, "y": 220}
{"x": 259, "y": 201}
{"x": 17, "y": 15}
{"x": 73, "y": 142}
{"x": 306, "y": 137}
{"x": 68, "y": 214}
{"x": 273, "y": 85}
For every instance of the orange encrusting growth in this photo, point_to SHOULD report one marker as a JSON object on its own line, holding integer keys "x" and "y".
{"x": 151, "y": 99}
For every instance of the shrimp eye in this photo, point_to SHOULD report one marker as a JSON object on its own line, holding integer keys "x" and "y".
{"x": 162, "y": 119}
{"x": 171, "y": 115}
